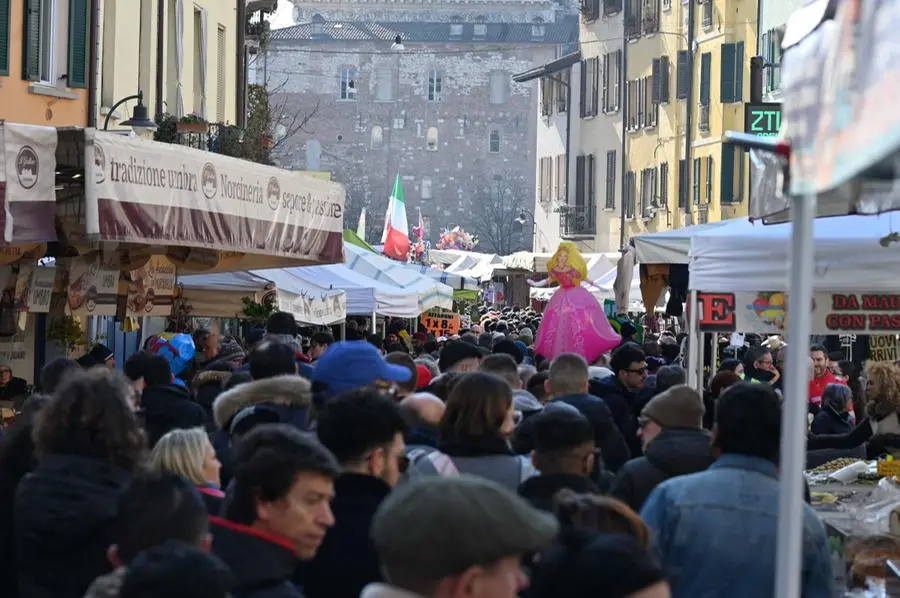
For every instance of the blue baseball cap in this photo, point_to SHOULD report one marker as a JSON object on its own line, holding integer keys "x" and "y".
{"x": 353, "y": 364}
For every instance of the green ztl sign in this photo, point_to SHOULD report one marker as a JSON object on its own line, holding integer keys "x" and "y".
{"x": 762, "y": 119}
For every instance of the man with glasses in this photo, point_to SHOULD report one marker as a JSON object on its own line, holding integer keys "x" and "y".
{"x": 619, "y": 391}
{"x": 364, "y": 429}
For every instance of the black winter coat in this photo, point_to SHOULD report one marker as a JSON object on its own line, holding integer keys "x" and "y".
{"x": 346, "y": 561}
{"x": 261, "y": 565}
{"x": 64, "y": 514}
{"x": 674, "y": 452}
{"x": 607, "y": 436}
{"x": 621, "y": 403}
{"x": 827, "y": 421}
{"x": 169, "y": 407}
{"x": 541, "y": 489}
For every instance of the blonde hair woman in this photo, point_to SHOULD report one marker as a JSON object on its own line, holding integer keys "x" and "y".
{"x": 190, "y": 454}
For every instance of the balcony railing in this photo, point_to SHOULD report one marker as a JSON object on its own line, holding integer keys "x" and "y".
{"x": 706, "y": 14}
{"x": 577, "y": 221}
{"x": 219, "y": 138}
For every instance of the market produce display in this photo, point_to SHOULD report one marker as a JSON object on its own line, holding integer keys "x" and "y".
{"x": 834, "y": 465}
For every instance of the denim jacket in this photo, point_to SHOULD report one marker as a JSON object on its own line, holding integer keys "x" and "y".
{"x": 716, "y": 532}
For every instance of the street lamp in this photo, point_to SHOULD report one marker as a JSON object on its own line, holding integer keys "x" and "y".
{"x": 398, "y": 46}
{"x": 139, "y": 122}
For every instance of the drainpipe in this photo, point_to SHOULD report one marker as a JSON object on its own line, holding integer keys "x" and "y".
{"x": 160, "y": 54}
{"x": 623, "y": 94}
{"x": 689, "y": 113}
{"x": 568, "y": 137}
{"x": 241, "y": 72}
{"x": 94, "y": 61}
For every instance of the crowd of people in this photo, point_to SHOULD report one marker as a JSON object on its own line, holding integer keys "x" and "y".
{"x": 400, "y": 467}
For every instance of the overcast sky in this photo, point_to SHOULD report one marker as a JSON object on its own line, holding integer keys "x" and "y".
{"x": 282, "y": 16}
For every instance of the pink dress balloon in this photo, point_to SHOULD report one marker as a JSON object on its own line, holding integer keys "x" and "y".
{"x": 574, "y": 322}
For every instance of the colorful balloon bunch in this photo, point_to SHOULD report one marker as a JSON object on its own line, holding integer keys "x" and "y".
{"x": 457, "y": 238}
{"x": 419, "y": 250}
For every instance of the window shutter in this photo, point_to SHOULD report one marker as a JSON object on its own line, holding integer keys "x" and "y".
{"x": 561, "y": 176}
{"x": 611, "y": 179}
{"x": 727, "y": 74}
{"x": 726, "y": 191}
{"x": 579, "y": 180}
{"x": 684, "y": 78}
{"x": 695, "y": 181}
{"x": 664, "y": 80}
{"x": 4, "y": 37}
{"x": 604, "y": 83}
{"x": 657, "y": 80}
{"x": 595, "y": 84}
{"x": 31, "y": 41}
{"x": 705, "y": 68}
{"x": 582, "y": 104}
{"x": 709, "y": 178}
{"x": 664, "y": 185}
{"x": 682, "y": 184}
{"x": 739, "y": 72}
{"x": 79, "y": 16}
{"x": 617, "y": 96}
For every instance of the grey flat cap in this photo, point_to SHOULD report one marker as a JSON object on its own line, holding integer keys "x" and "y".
{"x": 440, "y": 526}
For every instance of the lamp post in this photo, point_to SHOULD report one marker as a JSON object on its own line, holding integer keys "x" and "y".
{"x": 139, "y": 122}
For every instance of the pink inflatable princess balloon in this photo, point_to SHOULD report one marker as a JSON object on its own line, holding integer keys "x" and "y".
{"x": 574, "y": 322}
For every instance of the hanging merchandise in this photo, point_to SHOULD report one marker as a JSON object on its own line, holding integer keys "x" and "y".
{"x": 574, "y": 322}
{"x": 177, "y": 349}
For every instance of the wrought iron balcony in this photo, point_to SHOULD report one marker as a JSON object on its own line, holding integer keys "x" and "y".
{"x": 577, "y": 221}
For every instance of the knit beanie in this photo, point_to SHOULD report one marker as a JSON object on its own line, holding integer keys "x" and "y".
{"x": 678, "y": 407}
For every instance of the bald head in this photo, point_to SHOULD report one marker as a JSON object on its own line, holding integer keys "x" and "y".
{"x": 426, "y": 406}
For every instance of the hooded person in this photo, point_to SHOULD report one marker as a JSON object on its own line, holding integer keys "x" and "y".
{"x": 674, "y": 443}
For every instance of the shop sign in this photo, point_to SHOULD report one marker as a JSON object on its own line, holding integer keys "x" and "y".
{"x": 151, "y": 289}
{"x": 440, "y": 322}
{"x": 311, "y": 308}
{"x": 763, "y": 119}
{"x": 34, "y": 288}
{"x": 766, "y": 312}
{"x": 883, "y": 347}
{"x": 93, "y": 285}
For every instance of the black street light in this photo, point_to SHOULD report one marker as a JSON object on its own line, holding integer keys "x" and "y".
{"x": 140, "y": 122}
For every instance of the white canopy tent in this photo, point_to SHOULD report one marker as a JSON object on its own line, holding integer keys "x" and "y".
{"x": 849, "y": 255}
{"x": 601, "y": 289}
{"x": 457, "y": 282}
{"x": 673, "y": 246}
{"x": 380, "y": 267}
{"x": 219, "y": 295}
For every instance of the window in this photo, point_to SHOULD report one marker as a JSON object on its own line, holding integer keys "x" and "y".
{"x": 385, "y": 83}
{"x": 684, "y": 76}
{"x": 4, "y": 36}
{"x": 611, "y": 7}
{"x": 562, "y": 185}
{"x": 705, "y": 71}
{"x": 732, "y": 73}
{"x": 545, "y": 179}
{"x": 41, "y": 37}
{"x": 661, "y": 80}
{"x": 562, "y": 91}
{"x": 770, "y": 48}
{"x": 494, "y": 142}
{"x": 221, "y": 47}
{"x": 611, "y": 180}
{"x": 683, "y": 174}
{"x": 706, "y": 14}
{"x": 709, "y": 179}
{"x": 200, "y": 61}
{"x": 648, "y": 192}
{"x": 435, "y": 85}
{"x": 650, "y": 108}
{"x": 585, "y": 170}
{"x": 590, "y": 83}
{"x": 733, "y": 181}
{"x": 650, "y": 17}
{"x": 696, "y": 181}
{"x": 479, "y": 30}
{"x": 546, "y": 96}
{"x": 537, "y": 27}
{"x": 426, "y": 188}
{"x": 664, "y": 186}
{"x": 630, "y": 193}
{"x": 456, "y": 29}
{"x": 499, "y": 87}
{"x": 349, "y": 75}
{"x": 460, "y": 128}
{"x": 590, "y": 9}
{"x": 641, "y": 109}
{"x": 667, "y": 4}
{"x": 377, "y": 137}
{"x": 431, "y": 139}
{"x": 612, "y": 68}
{"x": 399, "y": 123}
{"x": 633, "y": 19}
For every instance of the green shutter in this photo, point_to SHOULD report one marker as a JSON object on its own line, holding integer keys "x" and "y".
{"x": 695, "y": 180}
{"x": 31, "y": 41}
{"x": 79, "y": 49}
{"x": 726, "y": 78}
{"x": 705, "y": 70}
{"x": 4, "y": 37}
{"x": 727, "y": 182}
{"x": 739, "y": 72}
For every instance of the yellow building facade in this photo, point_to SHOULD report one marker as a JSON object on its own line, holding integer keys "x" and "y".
{"x": 657, "y": 194}
{"x": 191, "y": 68}
{"x": 44, "y": 61}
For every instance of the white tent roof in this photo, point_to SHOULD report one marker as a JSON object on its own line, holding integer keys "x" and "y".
{"x": 672, "y": 246}
{"x": 848, "y": 256}
{"x": 307, "y": 302}
{"x": 455, "y": 281}
{"x": 598, "y": 263}
{"x": 380, "y": 267}
{"x": 602, "y": 289}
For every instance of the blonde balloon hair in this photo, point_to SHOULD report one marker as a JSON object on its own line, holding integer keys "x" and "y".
{"x": 182, "y": 452}
{"x": 573, "y": 259}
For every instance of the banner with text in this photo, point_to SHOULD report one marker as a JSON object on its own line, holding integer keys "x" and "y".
{"x": 833, "y": 313}
{"x": 151, "y": 288}
{"x": 93, "y": 285}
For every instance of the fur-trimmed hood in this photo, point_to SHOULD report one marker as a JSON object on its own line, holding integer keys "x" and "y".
{"x": 208, "y": 376}
{"x": 292, "y": 391}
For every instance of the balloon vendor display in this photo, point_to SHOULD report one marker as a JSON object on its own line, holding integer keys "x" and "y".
{"x": 177, "y": 348}
{"x": 574, "y": 322}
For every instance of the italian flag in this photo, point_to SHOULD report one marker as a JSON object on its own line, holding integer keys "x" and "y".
{"x": 396, "y": 230}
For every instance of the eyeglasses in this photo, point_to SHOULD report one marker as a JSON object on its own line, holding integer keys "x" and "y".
{"x": 642, "y": 370}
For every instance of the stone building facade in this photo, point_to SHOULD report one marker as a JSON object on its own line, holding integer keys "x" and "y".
{"x": 443, "y": 111}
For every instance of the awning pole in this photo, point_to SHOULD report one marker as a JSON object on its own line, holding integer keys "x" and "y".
{"x": 788, "y": 552}
{"x": 374, "y": 323}
{"x": 693, "y": 345}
